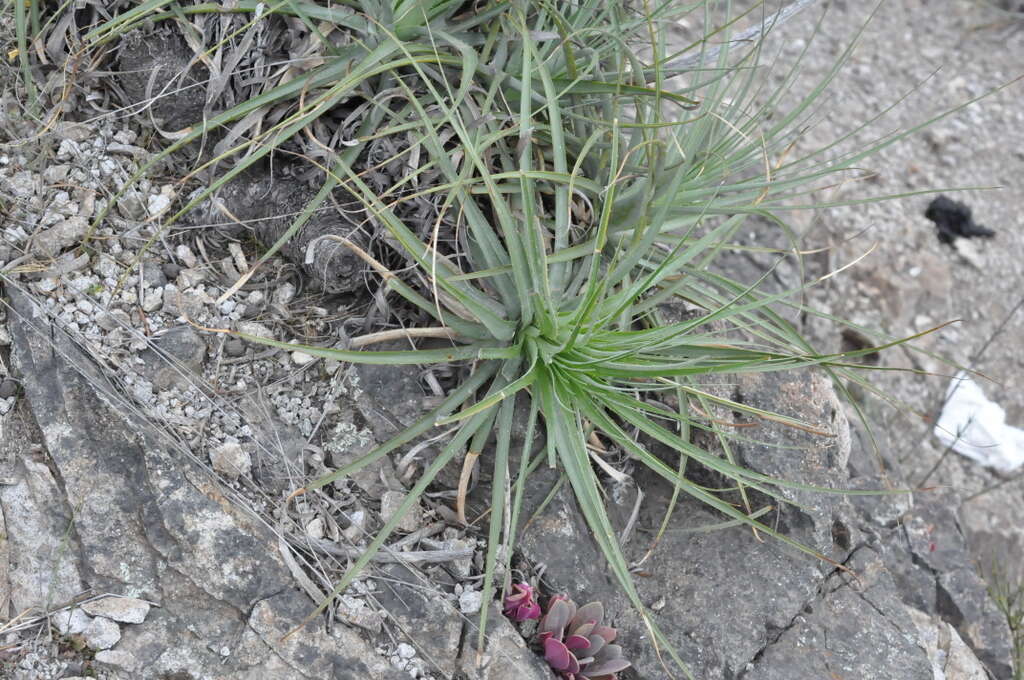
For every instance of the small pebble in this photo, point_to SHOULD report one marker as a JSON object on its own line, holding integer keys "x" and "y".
{"x": 469, "y": 601}
{"x": 116, "y": 318}
{"x": 389, "y": 503}
{"x": 284, "y": 293}
{"x": 153, "y": 300}
{"x": 122, "y": 609}
{"x": 234, "y": 347}
{"x": 125, "y": 136}
{"x": 56, "y": 173}
{"x": 158, "y": 203}
{"x": 106, "y": 267}
{"x": 153, "y": 276}
{"x": 101, "y": 633}
{"x": 231, "y": 460}
{"x": 171, "y": 270}
{"x": 190, "y": 278}
{"x": 257, "y": 329}
{"x": 315, "y": 528}
{"x": 71, "y": 621}
{"x": 108, "y": 166}
{"x": 184, "y": 254}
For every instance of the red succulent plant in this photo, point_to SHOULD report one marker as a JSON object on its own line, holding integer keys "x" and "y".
{"x": 576, "y": 644}
{"x": 521, "y": 605}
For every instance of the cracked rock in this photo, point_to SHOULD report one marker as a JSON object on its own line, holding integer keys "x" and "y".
{"x": 854, "y": 628}
{"x": 934, "y": 570}
{"x": 763, "y": 591}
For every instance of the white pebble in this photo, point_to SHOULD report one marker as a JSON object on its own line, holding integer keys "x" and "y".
{"x": 157, "y": 203}
{"x": 469, "y": 601}
{"x": 301, "y": 358}
{"x": 184, "y": 254}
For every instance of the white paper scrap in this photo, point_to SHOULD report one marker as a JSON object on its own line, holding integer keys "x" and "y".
{"x": 976, "y": 427}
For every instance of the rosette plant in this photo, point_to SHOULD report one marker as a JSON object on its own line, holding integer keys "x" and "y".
{"x": 580, "y": 170}
{"x": 576, "y": 644}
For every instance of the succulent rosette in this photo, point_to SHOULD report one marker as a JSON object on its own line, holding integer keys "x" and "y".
{"x": 521, "y": 605}
{"x": 576, "y": 644}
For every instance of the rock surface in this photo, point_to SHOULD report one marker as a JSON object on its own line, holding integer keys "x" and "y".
{"x": 800, "y": 617}
{"x": 941, "y": 577}
{"x": 150, "y": 523}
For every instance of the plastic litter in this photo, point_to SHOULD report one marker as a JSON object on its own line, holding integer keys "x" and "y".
{"x": 976, "y": 427}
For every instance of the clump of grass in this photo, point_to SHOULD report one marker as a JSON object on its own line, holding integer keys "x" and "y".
{"x": 582, "y": 173}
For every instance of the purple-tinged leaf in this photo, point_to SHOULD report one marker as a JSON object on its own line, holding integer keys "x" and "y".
{"x": 607, "y": 632}
{"x": 530, "y": 610}
{"x": 583, "y": 631}
{"x": 597, "y": 644}
{"x": 591, "y": 612}
{"x": 521, "y": 606}
{"x": 610, "y": 652}
{"x": 606, "y": 667}
{"x": 557, "y": 655}
{"x": 577, "y": 642}
{"x": 559, "y": 613}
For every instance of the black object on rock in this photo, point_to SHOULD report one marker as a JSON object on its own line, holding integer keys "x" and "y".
{"x": 953, "y": 219}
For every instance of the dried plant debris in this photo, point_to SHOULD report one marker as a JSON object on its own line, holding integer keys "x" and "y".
{"x": 953, "y": 220}
{"x": 264, "y": 203}
{"x": 162, "y": 79}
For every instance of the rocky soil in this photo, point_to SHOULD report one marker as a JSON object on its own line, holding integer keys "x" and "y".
{"x": 147, "y": 462}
